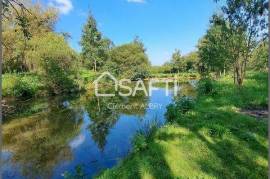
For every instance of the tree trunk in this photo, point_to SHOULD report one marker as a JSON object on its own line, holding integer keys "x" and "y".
{"x": 234, "y": 76}
{"x": 95, "y": 66}
{"x": 239, "y": 76}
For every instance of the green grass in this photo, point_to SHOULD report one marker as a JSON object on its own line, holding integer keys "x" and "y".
{"x": 213, "y": 140}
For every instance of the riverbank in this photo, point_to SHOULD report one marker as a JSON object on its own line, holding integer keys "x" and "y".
{"x": 213, "y": 140}
{"x": 31, "y": 85}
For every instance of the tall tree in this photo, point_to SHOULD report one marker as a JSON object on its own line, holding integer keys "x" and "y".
{"x": 94, "y": 47}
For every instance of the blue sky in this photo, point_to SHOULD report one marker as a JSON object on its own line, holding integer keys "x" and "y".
{"x": 162, "y": 25}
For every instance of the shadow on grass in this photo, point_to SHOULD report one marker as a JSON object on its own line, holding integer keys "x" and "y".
{"x": 217, "y": 141}
{"x": 238, "y": 141}
{"x": 146, "y": 164}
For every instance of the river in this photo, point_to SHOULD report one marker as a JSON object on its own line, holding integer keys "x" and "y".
{"x": 45, "y": 137}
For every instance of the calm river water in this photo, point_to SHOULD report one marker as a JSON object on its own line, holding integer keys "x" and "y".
{"x": 43, "y": 138}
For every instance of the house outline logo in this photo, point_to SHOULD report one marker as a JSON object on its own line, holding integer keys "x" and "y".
{"x": 96, "y": 83}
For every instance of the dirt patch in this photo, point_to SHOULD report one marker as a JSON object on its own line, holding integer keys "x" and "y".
{"x": 257, "y": 113}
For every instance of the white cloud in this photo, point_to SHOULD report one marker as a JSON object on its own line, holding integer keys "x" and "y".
{"x": 64, "y": 6}
{"x": 136, "y": 1}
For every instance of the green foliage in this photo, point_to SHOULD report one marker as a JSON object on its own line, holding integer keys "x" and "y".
{"x": 216, "y": 130}
{"x": 260, "y": 56}
{"x": 206, "y": 87}
{"x": 184, "y": 104}
{"x": 8, "y": 83}
{"x": 139, "y": 143}
{"x": 41, "y": 51}
{"x": 95, "y": 48}
{"x": 180, "y": 106}
{"x": 21, "y": 85}
{"x": 172, "y": 113}
{"x": 214, "y": 48}
{"x": 25, "y": 88}
{"x": 87, "y": 75}
{"x": 57, "y": 79}
{"x": 129, "y": 61}
{"x": 23, "y": 24}
{"x": 179, "y": 63}
{"x": 233, "y": 36}
{"x": 56, "y": 61}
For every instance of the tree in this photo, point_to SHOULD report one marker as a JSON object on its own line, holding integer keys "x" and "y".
{"x": 55, "y": 61}
{"x": 247, "y": 23}
{"x": 259, "y": 57}
{"x": 16, "y": 38}
{"x": 215, "y": 49}
{"x": 191, "y": 61}
{"x": 95, "y": 48}
{"x": 129, "y": 61}
{"x": 177, "y": 61}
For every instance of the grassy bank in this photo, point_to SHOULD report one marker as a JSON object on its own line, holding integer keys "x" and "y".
{"x": 213, "y": 140}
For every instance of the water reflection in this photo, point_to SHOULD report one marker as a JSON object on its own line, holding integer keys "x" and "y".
{"x": 39, "y": 142}
{"x": 84, "y": 130}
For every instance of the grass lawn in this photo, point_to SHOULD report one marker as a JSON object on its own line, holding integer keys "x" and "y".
{"x": 214, "y": 140}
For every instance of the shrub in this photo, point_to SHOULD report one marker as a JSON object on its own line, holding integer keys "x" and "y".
{"x": 185, "y": 103}
{"x": 139, "y": 143}
{"x": 25, "y": 87}
{"x": 54, "y": 60}
{"x": 172, "y": 112}
{"x": 206, "y": 87}
{"x": 9, "y": 81}
{"x": 179, "y": 107}
{"x": 58, "y": 79}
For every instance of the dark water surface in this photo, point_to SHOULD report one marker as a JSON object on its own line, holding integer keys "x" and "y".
{"x": 43, "y": 138}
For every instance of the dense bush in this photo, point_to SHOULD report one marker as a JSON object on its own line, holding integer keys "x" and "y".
{"x": 25, "y": 88}
{"x": 57, "y": 62}
{"x": 179, "y": 107}
{"x": 24, "y": 85}
{"x": 139, "y": 142}
{"x": 206, "y": 87}
{"x": 58, "y": 80}
{"x": 8, "y": 82}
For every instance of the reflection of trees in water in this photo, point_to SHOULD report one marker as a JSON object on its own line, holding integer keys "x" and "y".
{"x": 40, "y": 141}
{"x": 104, "y": 116}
